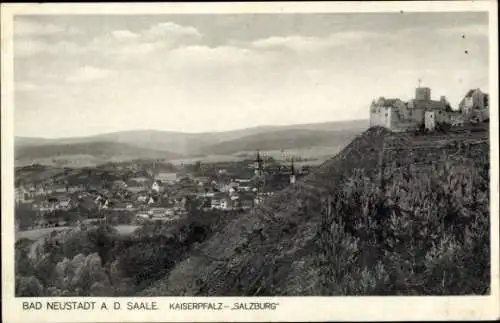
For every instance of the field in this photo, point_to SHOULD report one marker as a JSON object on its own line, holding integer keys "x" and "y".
{"x": 316, "y": 154}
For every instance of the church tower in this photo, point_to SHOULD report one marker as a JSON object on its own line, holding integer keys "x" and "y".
{"x": 260, "y": 177}
{"x": 259, "y": 164}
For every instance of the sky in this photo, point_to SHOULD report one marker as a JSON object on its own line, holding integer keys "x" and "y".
{"x": 89, "y": 74}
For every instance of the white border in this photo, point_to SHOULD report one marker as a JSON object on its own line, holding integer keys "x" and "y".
{"x": 290, "y": 308}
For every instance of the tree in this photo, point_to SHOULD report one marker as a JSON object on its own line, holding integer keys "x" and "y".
{"x": 28, "y": 287}
{"x": 24, "y": 266}
{"x": 25, "y": 215}
{"x": 83, "y": 276}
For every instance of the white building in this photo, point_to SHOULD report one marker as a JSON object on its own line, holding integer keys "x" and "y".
{"x": 430, "y": 120}
{"x": 166, "y": 177}
{"x": 383, "y": 112}
{"x": 220, "y": 202}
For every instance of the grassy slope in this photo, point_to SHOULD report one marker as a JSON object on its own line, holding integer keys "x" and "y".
{"x": 288, "y": 246}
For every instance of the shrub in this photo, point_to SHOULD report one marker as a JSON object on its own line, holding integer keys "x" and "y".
{"x": 28, "y": 287}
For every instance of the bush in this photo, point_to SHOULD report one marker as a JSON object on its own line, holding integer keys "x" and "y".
{"x": 82, "y": 276}
{"x": 89, "y": 251}
{"x": 28, "y": 287}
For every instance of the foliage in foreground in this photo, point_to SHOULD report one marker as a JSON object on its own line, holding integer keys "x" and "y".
{"x": 423, "y": 229}
{"x": 97, "y": 261}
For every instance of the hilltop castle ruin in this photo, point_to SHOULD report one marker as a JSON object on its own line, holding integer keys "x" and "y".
{"x": 398, "y": 115}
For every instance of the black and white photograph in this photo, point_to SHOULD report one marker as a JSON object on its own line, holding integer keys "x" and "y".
{"x": 252, "y": 154}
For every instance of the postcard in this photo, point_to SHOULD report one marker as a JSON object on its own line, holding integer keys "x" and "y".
{"x": 260, "y": 161}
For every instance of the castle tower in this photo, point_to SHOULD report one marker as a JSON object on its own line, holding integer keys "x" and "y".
{"x": 423, "y": 94}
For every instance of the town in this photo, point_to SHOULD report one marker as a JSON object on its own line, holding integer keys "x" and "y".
{"x": 142, "y": 191}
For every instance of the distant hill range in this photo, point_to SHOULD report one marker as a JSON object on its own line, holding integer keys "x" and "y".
{"x": 283, "y": 139}
{"x": 85, "y": 153}
{"x": 174, "y": 145}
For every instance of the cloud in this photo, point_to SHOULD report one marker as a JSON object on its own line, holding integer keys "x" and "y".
{"x": 87, "y": 74}
{"x": 470, "y": 30}
{"x": 122, "y": 43}
{"x": 29, "y": 47}
{"x": 32, "y": 28}
{"x": 226, "y": 55}
{"x": 120, "y": 47}
{"x": 312, "y": 44}
{"x": 170, "y": 29}
{"x": 295, "y": 43}
{"x": 132, "y": 50}
{"x": 25, "y": 87}
{"x": 126, "y": 45}
{"x": 125, "y": 35}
